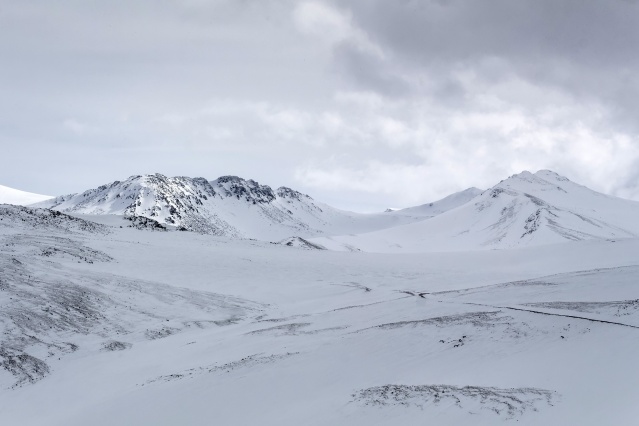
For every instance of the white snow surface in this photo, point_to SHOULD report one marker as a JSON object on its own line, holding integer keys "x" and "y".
{"x": 524, "y": 210}
{"x": 21, "y": 198}
{"x": 110, "y": 315}
{"x": 107, "y": 324}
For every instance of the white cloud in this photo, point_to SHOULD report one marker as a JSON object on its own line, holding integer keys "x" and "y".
{"x": 333, "y": 26}
{"x": 474, "y": 148}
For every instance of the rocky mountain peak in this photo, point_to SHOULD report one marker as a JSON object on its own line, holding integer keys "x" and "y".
{"x": 285, "y": 192}
{"x": 249, "y": 190}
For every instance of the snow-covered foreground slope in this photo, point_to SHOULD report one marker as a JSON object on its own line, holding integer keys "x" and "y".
{"x": 104, "y": 325}
{"x": 22, "y": 198}
{"x": 229, "y": 206}
{"x": 524, "y": 210}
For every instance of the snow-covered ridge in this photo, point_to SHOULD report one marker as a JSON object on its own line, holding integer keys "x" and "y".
{"x": 229, "y": 206}
{"x": 21, "y": 198}
{"x": 525, "y": 209}
{"x": 438, "y": 207}
{"x": 174, "y": 201}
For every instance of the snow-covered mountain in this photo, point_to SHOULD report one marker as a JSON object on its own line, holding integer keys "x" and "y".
{"x": 229, "y": 206}
{"x": 21, "y": 198}
{"x": 525, "y": 209}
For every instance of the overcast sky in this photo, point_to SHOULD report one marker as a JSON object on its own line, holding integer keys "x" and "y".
{"x": 361, "y": 104}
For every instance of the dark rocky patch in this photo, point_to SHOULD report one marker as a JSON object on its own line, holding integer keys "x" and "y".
{"x": 114, "y": 345}
{"x": 145, "y": 223}
{"x": 507, "y": 403}
{"x": 46, "y": 219}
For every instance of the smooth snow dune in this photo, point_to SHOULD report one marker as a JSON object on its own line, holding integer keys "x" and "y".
{"x": 21, "y": 198}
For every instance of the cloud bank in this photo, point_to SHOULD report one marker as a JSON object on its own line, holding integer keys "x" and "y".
{"x": 363, "y": 104}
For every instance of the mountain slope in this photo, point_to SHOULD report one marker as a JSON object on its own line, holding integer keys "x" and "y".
{"x": 229, "y": 206}
{"x": 525, "y": 209}
{"x": 21, "y": 198}
{"x": 440, "y": 206}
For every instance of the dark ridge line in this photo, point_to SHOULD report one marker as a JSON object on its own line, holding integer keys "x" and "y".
{"x": 559, "y": 274}
{"x": 555, "y": 315}
{"x": 292, "y": 317}
{"x": 360, "y": 306}
{"x": 422, "y": 321}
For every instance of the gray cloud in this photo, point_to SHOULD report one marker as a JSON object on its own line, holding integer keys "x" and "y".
{"x": 364, "y": 104}
{"x": 584, "y": 48}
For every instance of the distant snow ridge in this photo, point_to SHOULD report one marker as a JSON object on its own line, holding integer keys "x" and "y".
{"x": 177, "y": 201}
{"x": 20, "y": 198}
{"x": 228, "y": 206}
{"x": 191, "y": 203}
{"x": 525, "y": 209}
{"x": 551, "y": 208}
{"x": 441, "y": 206}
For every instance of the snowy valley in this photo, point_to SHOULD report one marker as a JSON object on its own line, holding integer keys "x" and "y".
{"x": 518, "y": 304}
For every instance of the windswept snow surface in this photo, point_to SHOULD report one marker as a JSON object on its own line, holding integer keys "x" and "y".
{"x": 524, "y": 210}
{"x": 105, "y": 324}
{"x": 21, "y": 198}
{"x": 228, "y": 206}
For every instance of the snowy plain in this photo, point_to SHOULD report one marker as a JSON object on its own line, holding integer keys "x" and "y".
{"x": 103, "y": 323}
